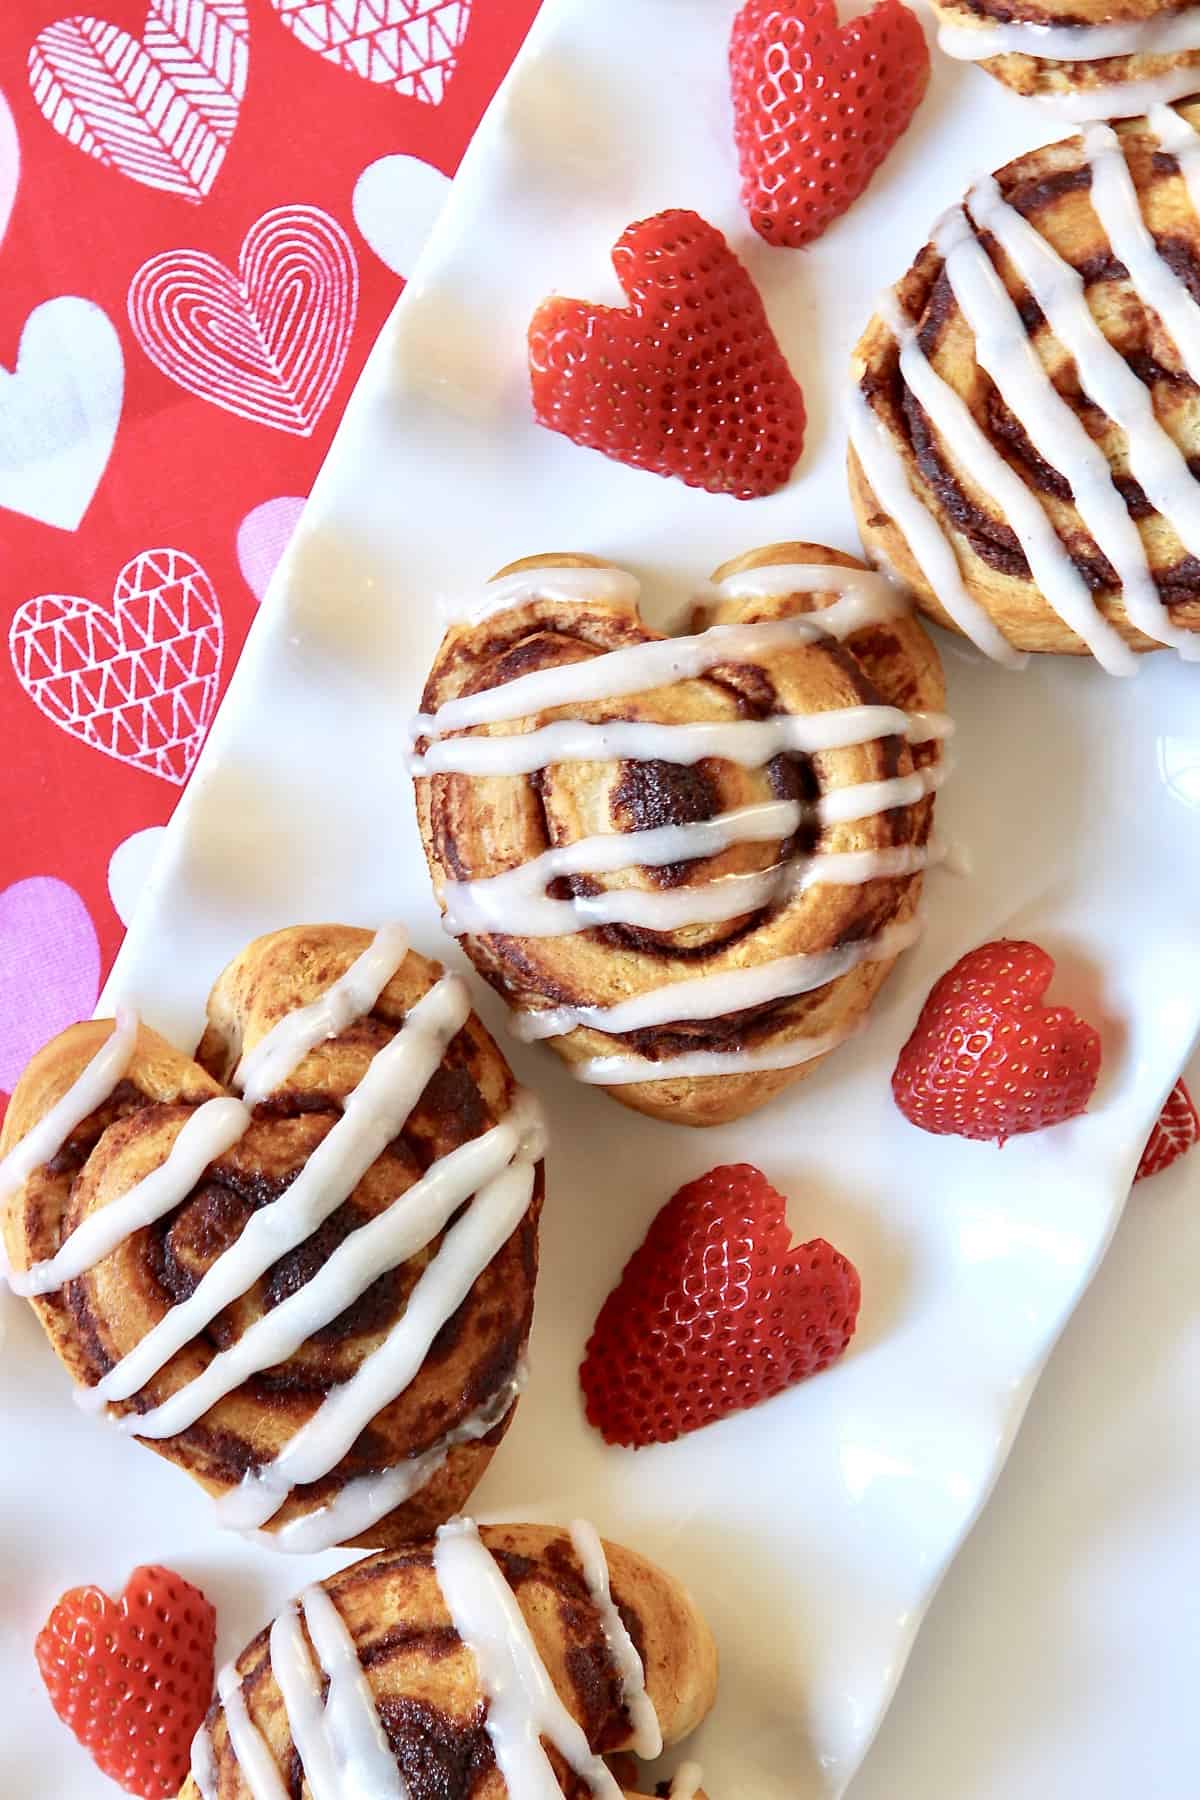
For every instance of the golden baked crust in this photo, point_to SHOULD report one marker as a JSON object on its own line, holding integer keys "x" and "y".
{"x": 423, "y": 1679}
{"x": 476, "y": 826}
{"x": 99, "y": 1317}
{"x": 1050, "y": 189}
{"x": 1055, "y": 78}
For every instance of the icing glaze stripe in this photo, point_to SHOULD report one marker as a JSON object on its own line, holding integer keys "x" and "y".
{"x": 647, "y": 1741}
{"x": 686, "y": 1784}
{"x": 604, "y": 586}
{"x": 928, "y": 544}
{"x": 277, "y": 1055}
{"x": 724, "y": 991}
{"x": 866, "y": 799}
{"x": 614, "y": 1071}
{"x": 382, "y": 1243}
{"x": 748, "y": 742}
{"x": 1124, "y": 99}
{"x": 375, "y": 1113}
{"x": 970, "y": 449}
{"x": 523, "y": 1706}
{"x": 207, "y": 1133}
{"x": 204, "y": 1765}
{"x": 864, "y": 596}
{"x": 300, "y": 1686}
{"x": 251, "y": 1752}
{"x": 346, "y": 1411}
{"x": 1004, "y": 350}
{"x": 362, "y": 1502}
{"x": 365, "y": 1766}
{"x": 1164, "y": 36}
{"x": 90, "y": 1089}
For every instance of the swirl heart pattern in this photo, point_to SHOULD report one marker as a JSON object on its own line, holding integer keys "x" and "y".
{"x": 161, "y": 108}
{"x": 267, "y": 342}
{"x": 137, "y": 679}
{"x": 410, "y": 46}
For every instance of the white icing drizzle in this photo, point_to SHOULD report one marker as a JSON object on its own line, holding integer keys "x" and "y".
{"x": 931, "y": 549}
{"x": 724, "y": 991}
{"x": 204, "y": 1765}
{"x": 90, "y": 1089}
{"x": 866, "y": 799}
{"x": 615, "y": 1071}
{"x": 382, "y": 1243}
{"x": 208, "y": 1132}
{"x": 864, "y": 596}
{"x": 339, "y": 1739}
{"x": 523, "y": 1706}
{"x": 1163, "y": 36}
{"x": 1123, "y": 99}
{"x": 1004, "y": 349}
{"x": 748, "y": 742}
{"x": 374, "y": 1114}
{"x": 686, "y": 1784}
{"x": 250, "y": 1749}
{"x": 604, "y": 586}
{"x": 1178, "y": 136}
{"x": 277, "y": 1055}
{"x": 466, "y": 1250}
{"x": 366, "y": 1500}
{"x": 970, "y": 449}
{"x": 647, "y": 1741}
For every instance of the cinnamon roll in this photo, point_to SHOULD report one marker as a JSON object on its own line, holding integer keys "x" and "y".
{"x": 216, "y": 1249}
{"x": 508, "y": 1660}
{"x": 1025, "y": 421}
{"x": 686, "y": 863}
{"x": 1090, "y": 59}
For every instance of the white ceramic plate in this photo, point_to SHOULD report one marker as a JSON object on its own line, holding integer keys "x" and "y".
{"x": 815, "y": 1530}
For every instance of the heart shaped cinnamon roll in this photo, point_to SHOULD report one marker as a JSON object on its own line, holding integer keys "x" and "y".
{"x": 508, "y": 1660}
{"x": 1092, "y": 59}
{"x": 218, "y": 1252}
{"x": 687, "y": 863}
{"x": 1025, "y": 424}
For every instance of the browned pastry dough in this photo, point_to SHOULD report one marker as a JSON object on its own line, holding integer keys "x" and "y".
{"x": 99, "y": 1317}
{"x": 1049, "y": 78}
{"x": 423, "y": 1679}
{"x": 1050, "y": 189}
{"x": 477, "y": 826}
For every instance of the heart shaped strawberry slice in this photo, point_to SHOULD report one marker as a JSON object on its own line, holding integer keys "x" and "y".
{"x": 132, "y": 1678}
{"x": 687, "y": 380}
{"x": 986, "y": 1059}
{"x": 715, "y": 1312}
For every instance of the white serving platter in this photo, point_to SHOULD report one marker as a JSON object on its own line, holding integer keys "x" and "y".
{"x": 814, "y": 1531}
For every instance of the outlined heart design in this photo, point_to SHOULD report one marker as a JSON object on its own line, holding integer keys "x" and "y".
{"x": 410, "y": 46}
{"x": 59, "y": 411}
{"x": 136, "y": 679}
{"x": 161, "y": 108}
{"x": 268, "y": 342}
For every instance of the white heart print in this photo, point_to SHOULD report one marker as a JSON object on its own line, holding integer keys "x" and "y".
{"x": 396, "y": 203}
{"x": 410, "y": 46}
{"x": 161, "y": 108}
{"x": 137, "y": 678}
{"x": 266, "y": 342}
{"x": 59, "y": 411}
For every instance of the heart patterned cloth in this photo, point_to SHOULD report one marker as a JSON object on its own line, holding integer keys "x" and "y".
{"x": 207, "y": 209}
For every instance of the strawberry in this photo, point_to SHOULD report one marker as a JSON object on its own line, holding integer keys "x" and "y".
{"x": 986, "y": 1059}
{"x": 715, "y": 1312}
{"x": 132, "y": 1678}
{"x": 1175, "y": 1131}
{"x": 687, "y": 380}
{"x": 817, "y": 106}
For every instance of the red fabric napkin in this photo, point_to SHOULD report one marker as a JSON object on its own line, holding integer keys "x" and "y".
{"x": 207, "y": 209}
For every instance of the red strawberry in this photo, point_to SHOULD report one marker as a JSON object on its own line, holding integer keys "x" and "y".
{"x": 817, "y": 106}
{"x": 987, "y": 1059}
{"x": 687, "y": 380}
{"x": 1176, "y": 1130}
{"x": 132, "y": 1678}
{"x": 715, "y": 1312}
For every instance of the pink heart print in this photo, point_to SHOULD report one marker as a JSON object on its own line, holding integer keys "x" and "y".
{"x": 262, "y": 538}
{"x": 49, "y": 968}
{"x": 10, "y": 164}
{"x": 410, "y": 46}
{"x": 137, "y": 679}
{"x": 267, "y": 342}
{"x": 161, "y": 108}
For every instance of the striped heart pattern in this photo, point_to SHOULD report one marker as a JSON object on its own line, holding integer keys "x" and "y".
{"x": 410, "y": 46}
{"x": 266, "y": 342}
{"x": 136, "y": 679}
{"x": 162, "y": 108}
